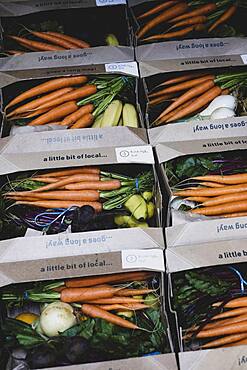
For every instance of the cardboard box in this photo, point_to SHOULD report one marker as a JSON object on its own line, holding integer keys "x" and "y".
{"x": 155, "y": 72}
{"x": 206, "y": 231}
{"x": 211, "y": 147}
{"x": 129, "y": 160}
{"x": 199, "y": 276}
{"x": 60, "y": 268}
{"x": 91, "y": 21}
{"x": 196, "y": 41}
{"x": 14, "y": 80}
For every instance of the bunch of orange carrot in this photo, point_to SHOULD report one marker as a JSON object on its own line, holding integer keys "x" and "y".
{"x": 189, "y": 93}
{"x": 180, "y": 18}
{"x": 228, "y": 328}
{"x": 218, "y": 195}
{"x": 98, "y": 296}
{"x": 56, "y": 101}
{"x": 63, "y": 189}
{"x": 46, "y": 41}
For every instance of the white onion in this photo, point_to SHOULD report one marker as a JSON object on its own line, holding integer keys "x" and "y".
{"x": 222, "y": 101}
{"x": 221, "y": 113}
{"x": 56, "y": 318}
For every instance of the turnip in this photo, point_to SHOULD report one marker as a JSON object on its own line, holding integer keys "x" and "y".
{"x": 222, "y": 101}
{"x": 56, "y": 318}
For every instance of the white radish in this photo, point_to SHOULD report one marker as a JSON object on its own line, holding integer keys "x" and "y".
{"x": 222, "y": 101}
{"x": 221, "y": 113}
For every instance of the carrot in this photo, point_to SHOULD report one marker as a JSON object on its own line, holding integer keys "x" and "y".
{"x": 29, "y": 115}
{"x": 236, "y": 214}
{"x": 186, "y": 77}
{"x": 35, "y": 103}
{"x": 230, "y": 313}
{"x": 48, "y": 204}
{"x": 48, "y": 86}
{"x": 237, "y": 302}
{"x": 224, "y": 179}
{"x": 161, "y": 99}
{"x": 225, "y": 340}
{"x": 18, "y": 197}
{"x": 97, "y": 312}
{"x": 133, "y": 292}
{"x": 126, "y": 307}
{"x": 39, "y": 46}
{"x": 14, "y": 52}
{"x": 202, "y": 10}
{"x": 188, "y": 95}
{"x": 197, "y": 199}
{"x": 211, "y": 184}
{"x": 222, "y": 199}
{"x": 79, "y": 43}
{"x": 231, "y": 207}
{"x": 69, "y": 180}
{"x": 81, "y": 195}
{"x": 224, "y": 330}
{"x": 79, "y": 93}
{"x": 84, "y": 121}
{"x": 72, "y": 295}
{"x": 168, "y": 14}
{"x": 226, "y": 321}
{"x": 240, "y": 343}
{"x": 164, "y": 118}
{"x": 183, "y": 86}
{"x": 73, "y": 117}
{"x": 54, "y": 114}
{"x": 225, "y": 92}
{"x": 113, "y": 300}
{"x": 157, "y": 9}
{"x": 113, "y": 278}
{"x": 170, "y": 35}
{"x": 190, "y": 21}
{"x": 54, "y": 39}
{"x": 95, "y": 185}
{"x": 224, "y": 17}
{"x": 73, "y": 171}
{"x": 47, "y": 180}
{"x": 200, "y": 102}
{"x": 212, "y": 192}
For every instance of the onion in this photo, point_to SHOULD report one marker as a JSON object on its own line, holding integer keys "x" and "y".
{"x": 222, "y": 101}
{"x": 56, "y": 318}
{"x": 221, "y": 113}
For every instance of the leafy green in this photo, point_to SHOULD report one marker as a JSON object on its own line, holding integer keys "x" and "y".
{"x": 15, "y": 330}
{"x": 120, "y": 342}
{"x": 193, "y": 292}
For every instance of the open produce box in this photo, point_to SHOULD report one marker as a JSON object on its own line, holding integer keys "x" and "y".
{"x": 70, "y": 97}
{"x": 208, "y": 299}
{"x": 194, "y": 96}
{"x": 204, "y": 177}
{"x": 166, "y": 21}
{"x": 42, "y": 328}
{"x": 28, "y": 27}
{"x": 104, "y": 193}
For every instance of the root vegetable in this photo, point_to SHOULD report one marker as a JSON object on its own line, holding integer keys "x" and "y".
{"x": 48, "y": 86}
{"x": 97, "y": 312}
{"x": 56, "y": 318}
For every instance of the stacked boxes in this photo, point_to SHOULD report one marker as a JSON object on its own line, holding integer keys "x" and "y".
{"x": 123, "y": 179}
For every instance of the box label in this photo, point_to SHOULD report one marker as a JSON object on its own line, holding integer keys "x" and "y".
{"x": 135, "y": 154}
{"x": 150, "y": 258}
{"x": 129, "y": 68}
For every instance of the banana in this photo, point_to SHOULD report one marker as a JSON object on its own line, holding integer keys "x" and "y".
{"x": 112, "y": 114}
{"x": 130, "y": 117}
